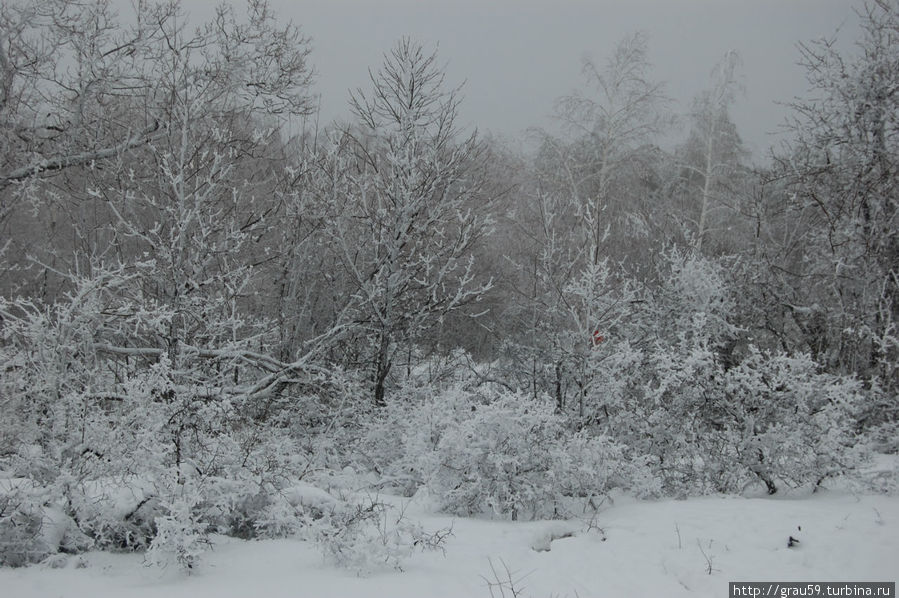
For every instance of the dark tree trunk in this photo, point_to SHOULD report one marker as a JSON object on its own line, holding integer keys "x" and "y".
{"x": 382, "y": 368}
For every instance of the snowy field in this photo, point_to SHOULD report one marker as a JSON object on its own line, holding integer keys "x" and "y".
{"x": 664, "y": 548}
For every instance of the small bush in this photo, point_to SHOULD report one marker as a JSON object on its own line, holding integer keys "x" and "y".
{"x": 33, "y": 526}
{"x": 514, "y": 456}
{"x": 790, "y": 423}
{"x": 181, "y": 536}
{"x": 369, "y": 535}
{"x": 400, "y": 442}
{"x": 21, "y": 523}
{"x": 117, "y": 513}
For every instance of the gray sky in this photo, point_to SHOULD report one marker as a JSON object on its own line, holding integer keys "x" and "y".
{"x": 518, "y": 56}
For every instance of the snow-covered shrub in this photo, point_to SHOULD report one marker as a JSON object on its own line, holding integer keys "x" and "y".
{"x": 118, "y": 513}
{"x": 515, "y": 456}
{"x": 586, "y": 465}
{"x": 497, "y": 459}
{"x": 241, "y": 486}
{"x": 181, "y": 534}
{"x": 485, "y": 449}
{"x": 369, "y": 535}
{"x": 50, "y": 384}
{"x": 789, "y": 423}
{"x": 884, "y": 438}
{"x": 400, "y": 439}
{"x": 653, "y": 400}
{"x": 116, "y": 442}
{"x": 292, "y": 510}
{"x": 21, "y": 522}
{"x": 381, "y": 447}
{"x": 711, "y": 412}
{"x": 708, "y": 427}
{"x": 277, "y": 518}
{"x": 694, "y": 303}
{"x": 33, "y": 524}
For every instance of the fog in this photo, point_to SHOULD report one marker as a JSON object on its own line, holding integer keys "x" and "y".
{"x": 515, "y": 58}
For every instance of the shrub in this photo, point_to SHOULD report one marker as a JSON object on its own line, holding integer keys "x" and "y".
{"x": 791, "y": 424}
{"x": 21, "y": 522}
{"x": 368, "y": 535}
{"x": 117, "y": 513}
{"x": 400, "y": 441}
{"x": 181, "y": 535}
{"x": 33, "y": 526}
{"x": 514, "y": 456}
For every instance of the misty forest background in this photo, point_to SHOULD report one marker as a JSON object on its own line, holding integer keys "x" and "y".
{"x": 214, "y": 304}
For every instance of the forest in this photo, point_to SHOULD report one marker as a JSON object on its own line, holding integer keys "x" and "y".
{"x": 214, "y": 308}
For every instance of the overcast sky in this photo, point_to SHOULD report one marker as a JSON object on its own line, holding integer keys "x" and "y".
{"x": 517, "y": 56}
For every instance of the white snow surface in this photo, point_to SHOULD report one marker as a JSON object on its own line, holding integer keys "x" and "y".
{"x": 631, "y": 549}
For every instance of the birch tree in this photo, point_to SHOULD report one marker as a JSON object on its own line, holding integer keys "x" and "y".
{"x": 614, "y": 121}
{"x": 713, "y": 151}
{"x": 584, "y": 216}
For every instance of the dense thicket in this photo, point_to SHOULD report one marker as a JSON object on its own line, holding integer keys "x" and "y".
{"x": 210, "y": 311}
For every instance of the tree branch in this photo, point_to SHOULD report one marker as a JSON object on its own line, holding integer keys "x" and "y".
{"x": 63, "y": 162}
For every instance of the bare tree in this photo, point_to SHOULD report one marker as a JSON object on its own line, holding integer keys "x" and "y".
{"x": 617, "y": 119}
{"x": 842, "y": 173}
{"x": 408, "y": 205}
{"x": 712, "y": 154}
{"x": 586, "y": 211}
{"x": 92, "y": 103}
{"x": 165, "y": 235}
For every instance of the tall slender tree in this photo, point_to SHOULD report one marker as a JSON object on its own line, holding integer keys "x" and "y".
{"x": 713, "y": 152}
{"x": 614, "y": 123}
{"x": 408, "y": 203}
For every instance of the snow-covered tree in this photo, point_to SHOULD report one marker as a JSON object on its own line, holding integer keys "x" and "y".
{"x": 405, "y": 190}
{"x": 711, "y": 156}
{"x": 608, "y": 166}
{"x": 842, "y": 172}
{"x": 149, "y": 360}
{"x": 583, "y": 213}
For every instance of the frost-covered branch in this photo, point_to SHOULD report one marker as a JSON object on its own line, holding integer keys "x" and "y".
{"x": 80, "y": 159}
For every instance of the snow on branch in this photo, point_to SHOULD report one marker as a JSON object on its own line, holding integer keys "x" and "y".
{"x": 63, "y": 162}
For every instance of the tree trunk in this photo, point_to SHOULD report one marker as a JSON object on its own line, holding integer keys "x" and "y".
{"x": 706, "y": 190}
{"x": 382, "y": 368}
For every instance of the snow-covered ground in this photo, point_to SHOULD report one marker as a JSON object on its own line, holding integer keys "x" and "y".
{"x": 663, "y": 548}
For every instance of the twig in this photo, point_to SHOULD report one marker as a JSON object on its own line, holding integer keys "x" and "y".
{"x": 507, "y": 582}
{"x": 708, "y": 559}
